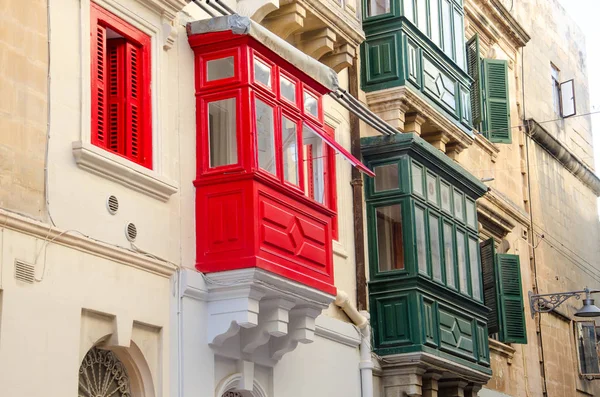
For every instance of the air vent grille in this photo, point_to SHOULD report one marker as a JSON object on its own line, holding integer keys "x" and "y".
{"x": 131, "y": 232}
{"x": 113, "y": 204}
{"x": 24, "y": 272}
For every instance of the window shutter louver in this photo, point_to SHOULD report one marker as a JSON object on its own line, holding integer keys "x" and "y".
{"x": 474, "y": 68}
{"x": 98, "y": 85}
{"x": 116, "y": 94}
{"x": 133, "y": 131}
{"x": 489, "y": 283}
{"x": 510, "y": 296}
{"x": 497, "y": 107}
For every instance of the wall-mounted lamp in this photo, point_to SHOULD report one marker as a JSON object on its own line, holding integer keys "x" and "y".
{"x": 544, "y": 303}
{"x": 487, "y": 179}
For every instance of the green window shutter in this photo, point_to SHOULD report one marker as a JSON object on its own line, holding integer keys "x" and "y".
{"x": 510, "y": 297}
{"x": 496, "y": 125}
{"x": 474, "y": 68}
{"x": 488, "y": 270}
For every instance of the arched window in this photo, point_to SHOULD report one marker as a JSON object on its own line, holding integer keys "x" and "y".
{"x": 102, "y": 374}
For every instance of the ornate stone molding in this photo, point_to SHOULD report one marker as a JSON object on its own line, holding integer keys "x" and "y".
{"x": 565, "y": 156}
{"x": 493, "y": 221}
{"x": 502, "y": 350}
{"x": 480, "y": 11}
{"x": 257, "y": 316}
{"x": 168, "y": 10}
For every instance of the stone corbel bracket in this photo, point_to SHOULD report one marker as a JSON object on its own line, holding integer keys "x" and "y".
{"x": 258, "y": 316}
{"x": 167, "y": 9}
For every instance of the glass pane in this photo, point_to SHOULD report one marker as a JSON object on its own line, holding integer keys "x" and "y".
{"x": 422, "y": 15}
{"x": 288, "y": 89}
{"x": 471, "y": 218}
{"x": 458, "y": 205}
{"x": 218, "y": 69}
{"x": 434, "y": 22}
{"x": 265, "y": 137}
{"x": 311, "y": 104}
{"x": 449, "y": 255}
{"x": 586, "y": 347}
{"x": 459, "y": 37}
{"x": 447, "y": 26}
{"x": 417, "y": 179}
{"x": 390, "y": 249}
{"x": 409, "y": 11}
{"x": 432, "y": 188}
{"x": 475, "y": 269}
{"x": 378, "y": 7}
{"x": 314, "y": 164}
{"x": 289, "y": 139}
{"x": 386, "y": 177}
{"x": 462, "y": 262}
{"x": 434, "y": 239}
{"x": 421, "y": 240}
{"x": 262, "y": 73}
{"x": 445, "y": 193}
{"x": 222, "y": 140}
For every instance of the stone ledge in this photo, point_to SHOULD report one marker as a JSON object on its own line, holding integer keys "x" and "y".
{"x": 112, "y": 167}
{"x": 502, "y": 350}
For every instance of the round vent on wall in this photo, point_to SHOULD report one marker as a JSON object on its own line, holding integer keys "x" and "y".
{"x": 112, "y": 203}
{"x": 131, "y": 232}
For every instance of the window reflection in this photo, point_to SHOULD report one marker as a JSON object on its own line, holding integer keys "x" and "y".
{"x": 314, "y": 151}
{"x": 222, "y": 132}
{"x": 218, "y": 69}
{"x": 289, "y": 139}
{"x": 390, "y": 250}
{"x": 265, "y": 137}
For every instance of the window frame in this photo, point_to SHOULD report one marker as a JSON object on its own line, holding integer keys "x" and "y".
{"x": 100, "y": 17}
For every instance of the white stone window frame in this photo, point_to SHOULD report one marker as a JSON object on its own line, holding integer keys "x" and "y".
{"x": 232, "y": 383}
{"x": 96, "y": 160}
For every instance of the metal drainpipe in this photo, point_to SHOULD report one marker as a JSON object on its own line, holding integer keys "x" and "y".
{"x": 357, "y": 196}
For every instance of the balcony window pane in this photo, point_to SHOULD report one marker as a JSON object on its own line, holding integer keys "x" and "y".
{"x": 586, "y": 347}
{"x": 417, "y": 179}
{"x": 422, "y": 15}
{"x": 434, "y": 22}
{"x": 458, "y": 206}
{"x": 289, "y": 139}
{"x": 445, "y": 193}
{"x": 386, "y": 177}
{"x": 432, "y": 188}
{"x": 475, "y": 268}
{"x": 311, "y": 105}
{"x": 471, "y": 219}
{"x": 218, "y": 69}
{"x": 314, "y": 164}
{"x": 421, "y": 240}
{"x": 409, "y": 10}
{"x": 449, "y": 255}
{"x": 447, "y": 26}
{"x": 288, "y": 89}
{"x": 434, "y": 238}
{"x": 378, "y": 7}
{"x": 459, "y": 37}
{"x": 265, "y": 137}
{"x": 262, "y": 73}
{"x": 390, "y": 249}
{"x": 222, "y": 140}
{"x": 462, "y": 262}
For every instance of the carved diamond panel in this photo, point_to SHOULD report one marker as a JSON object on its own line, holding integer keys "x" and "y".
{"x": 456, "y": 334}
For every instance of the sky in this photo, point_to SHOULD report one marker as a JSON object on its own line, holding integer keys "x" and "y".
{"x": 585, "y": 13}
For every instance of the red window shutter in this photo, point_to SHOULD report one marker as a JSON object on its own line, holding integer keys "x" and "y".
{"x": 134, "y": 133}
{"x": 99, "y": 116}
{"x": 115, "y": 139}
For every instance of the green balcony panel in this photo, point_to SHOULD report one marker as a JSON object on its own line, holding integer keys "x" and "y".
{"x": 426, "y": 286}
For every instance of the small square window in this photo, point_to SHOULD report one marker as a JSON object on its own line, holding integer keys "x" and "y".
{"x": 311, "y": 104}
{"x": 386, "y": 177}
{"x": 262, "y": 73}
{"x": 288, "y": 88}
{"x": 218, "y": 69}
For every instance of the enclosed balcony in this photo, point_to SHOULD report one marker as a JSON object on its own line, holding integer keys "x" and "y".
{"x": 414, "y": 68}
{"x": 426, "y": 289}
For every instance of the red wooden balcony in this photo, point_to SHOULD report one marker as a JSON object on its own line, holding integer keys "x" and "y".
{"x": 266, "y": 194}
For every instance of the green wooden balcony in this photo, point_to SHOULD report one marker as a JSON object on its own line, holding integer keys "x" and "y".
{"x": 425, "y": 289}
{"x": 419, "y": 44}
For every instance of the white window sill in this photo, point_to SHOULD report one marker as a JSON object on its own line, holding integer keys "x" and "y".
{"x": 339, "y": 250}
{"x": 112, "y": 167}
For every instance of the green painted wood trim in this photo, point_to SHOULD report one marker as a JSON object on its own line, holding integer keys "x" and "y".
{"x": 510, "y": 299}
{"x": 496, "y": 125}
{"x": 380, "y": 147}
